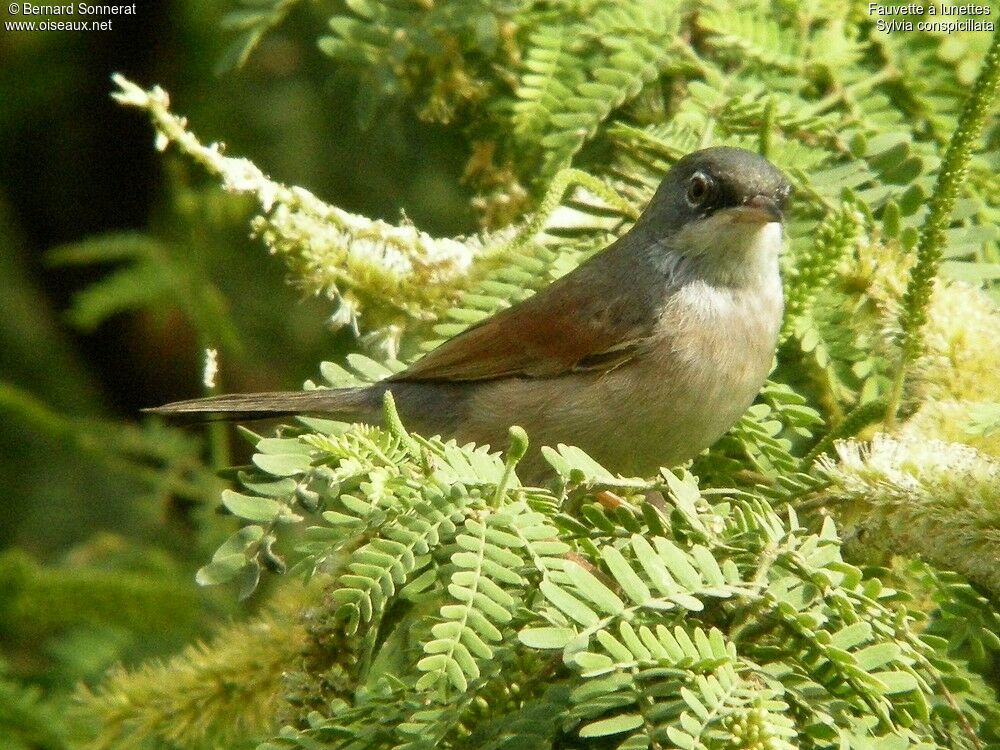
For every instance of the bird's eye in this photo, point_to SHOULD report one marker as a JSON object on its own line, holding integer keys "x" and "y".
{"x": 698, "y": 189}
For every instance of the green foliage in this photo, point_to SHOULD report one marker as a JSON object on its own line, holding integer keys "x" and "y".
{"x": 749, "y": 600}
{"x": 251, "y": 21}
{"x": 629, "y": 54}
{"x": 26, "y": 721}
{"x": 52, "y": 599}
{"x": 162, "y": 463}
{"x": 682, "y": 621}
{"x": 815, "y": 268}
{"x": 407, "y": 45}
{"x": 151, "y": 275}
{"x": 963, "y": 616}
{"x": 217, "y": 694}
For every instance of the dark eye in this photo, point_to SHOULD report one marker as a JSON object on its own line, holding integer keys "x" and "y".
{"x": 698, "y": 189}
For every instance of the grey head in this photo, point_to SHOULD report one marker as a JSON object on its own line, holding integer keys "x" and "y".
{"x": 718, "y": 179}
{"x": 719, "y": 211}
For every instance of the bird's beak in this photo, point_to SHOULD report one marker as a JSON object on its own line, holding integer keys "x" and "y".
{"x": 761, "y": 209}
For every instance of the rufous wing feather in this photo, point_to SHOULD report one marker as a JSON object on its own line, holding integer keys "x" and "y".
{"x": 557, "y": 331}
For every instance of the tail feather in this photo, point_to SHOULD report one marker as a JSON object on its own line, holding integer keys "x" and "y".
{"x": 343, "y": 403}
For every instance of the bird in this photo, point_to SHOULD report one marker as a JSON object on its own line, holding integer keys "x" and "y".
{"x": 642, "y": 356}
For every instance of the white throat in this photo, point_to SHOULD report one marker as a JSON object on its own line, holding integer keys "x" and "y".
{"x": 731, "y": 251}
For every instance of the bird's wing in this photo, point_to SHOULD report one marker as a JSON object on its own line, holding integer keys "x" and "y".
{"x": 567, "y": 327}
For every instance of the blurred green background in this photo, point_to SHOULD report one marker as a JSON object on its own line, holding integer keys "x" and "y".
{"x": 96, "y": 499}
{"x": 76, "y": 166}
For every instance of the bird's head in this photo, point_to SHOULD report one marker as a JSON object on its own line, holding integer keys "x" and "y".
{"x": 722, "y": 208}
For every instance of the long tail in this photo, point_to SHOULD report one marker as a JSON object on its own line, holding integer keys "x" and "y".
{"x": 340, "y": 403}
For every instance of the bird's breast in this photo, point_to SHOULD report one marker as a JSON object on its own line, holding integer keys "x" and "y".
{"x": 720, "y": 334}
{"x": 705, "y": 363}
{"x": 708, "y": 361}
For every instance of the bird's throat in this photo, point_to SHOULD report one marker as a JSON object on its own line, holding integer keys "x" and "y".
{"x": 729, "y": 251}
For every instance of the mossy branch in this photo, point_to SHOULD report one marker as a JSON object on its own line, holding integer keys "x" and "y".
{"x": 930, "y": 247}
{"x": 921, "y": 498}
{"x": 223, "y": 692}
{"x": 393, "y": 275}
{"x": 394, "y": 272}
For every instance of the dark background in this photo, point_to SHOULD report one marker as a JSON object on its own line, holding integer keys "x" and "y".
{"x": 76, "y": 165}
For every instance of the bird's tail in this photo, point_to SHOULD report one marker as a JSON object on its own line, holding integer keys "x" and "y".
{"x": 359, "y": 404}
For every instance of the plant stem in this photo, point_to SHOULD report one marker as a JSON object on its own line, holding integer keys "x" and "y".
{"x": 932, "y": 235}
{"x": 861, "y": 416}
